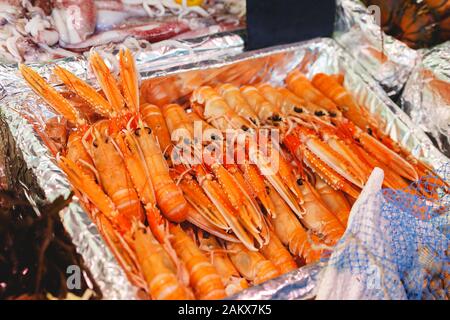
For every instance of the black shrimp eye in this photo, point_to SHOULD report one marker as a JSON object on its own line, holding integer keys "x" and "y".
{"x": 149, "y": 130}
{"x": 300, "y": 181}
{"x": 333, "y": 114}
{"x": 95, "y": 144}
{"x": 319, "y": 113}
{"x": 276, "y": 117}
{"x": 298, "y": 110}
{"x": 214, "y": 137}
{"x": 245, "y": 128}
{"x": 369, "y": 131}
{"x": 137, "y": 132}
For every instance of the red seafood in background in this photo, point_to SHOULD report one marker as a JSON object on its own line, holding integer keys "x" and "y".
{"x": 43, "y": 30}
{"x": 419, "y": 24}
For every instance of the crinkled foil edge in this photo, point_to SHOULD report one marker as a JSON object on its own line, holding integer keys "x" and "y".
{"x": 428, "y": 105}
{"x": 299, "y": 284}
{"x": 357, "y": 31}
{"x": 322, "y": 55}
{"x": 97, "y": 257}
{"x": 159, "y": 56}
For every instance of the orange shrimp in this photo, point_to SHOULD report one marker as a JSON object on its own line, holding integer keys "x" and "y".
{"x": 78, "y": 154}
{"x": 177, "y": 119}
{"x": 247, "y": 212}
{"x": 337, "y": 172}
{"x": 168, "y": 195}
{"x": 278, "y": 254}
{"x": 200, "y": 201}
{"x": 115, "y": 180}
{"x": 213, "y": 190}
{"x": 213, "y": 108}
{"x": 50, "y": 95}
{"x": 252, "y": 265}
{"x": 158, "y": 269}
{"x": 301, "y": 86}
{"x": 160, "y": 91}
{"x": 271, "y": 94}
{"x": 85, "y": 92}
{"x": 203, "y": 276}
{"x": 153, "y": 117}
{"x": 231, "y": 278}
{"x": 108, "y": 83}
{"x": 237, "y": 102}
{"x": 294, "y": 105}
{"x": 333, "y": 90}
{"x": 139, "y": 172}
{"x": 265, "y": 110}
{"x": 290, "y": 231}
{"x": 334, "y": 200}
{"x": 258, "y": 187}
{"x": 318, "y": 218}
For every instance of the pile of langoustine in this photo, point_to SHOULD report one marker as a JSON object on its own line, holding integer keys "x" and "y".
{"x": 211, "y": 228}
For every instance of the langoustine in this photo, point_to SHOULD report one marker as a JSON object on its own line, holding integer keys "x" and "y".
{"x": 138, "y": 165}
{"x": 262, "y": 228}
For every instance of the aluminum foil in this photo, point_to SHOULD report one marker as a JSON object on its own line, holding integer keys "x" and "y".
{"x": 272, "y": 65}
{"x": 387, "y": 59}
{"x": 152, "y": 57}
{"x": 53, "y": 183}
{"x": 296, "y": 285}
{"x": 426, "y": 97}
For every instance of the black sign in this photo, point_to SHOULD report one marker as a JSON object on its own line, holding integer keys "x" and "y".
{"x": 285, "y": 21}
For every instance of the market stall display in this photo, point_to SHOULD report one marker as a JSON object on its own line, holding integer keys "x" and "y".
{"x": 144, "y": 155}
{"x": 312, "y": 123}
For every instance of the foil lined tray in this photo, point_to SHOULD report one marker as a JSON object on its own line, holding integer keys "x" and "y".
{"x": 159, "y": 56}
{"x": 426, "y": 97}
{"x": 387, "y": 59}
{"x": 51, "y": 183}
{"x": 272, "y": 65}
{"x": 299, "y": 284}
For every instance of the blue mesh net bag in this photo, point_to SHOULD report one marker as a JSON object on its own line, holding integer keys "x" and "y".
{"x": 396, "y": 245}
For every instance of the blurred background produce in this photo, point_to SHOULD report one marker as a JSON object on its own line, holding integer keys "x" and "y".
{"x": 43, "y": 30}
{"x": 418, "y": 23}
